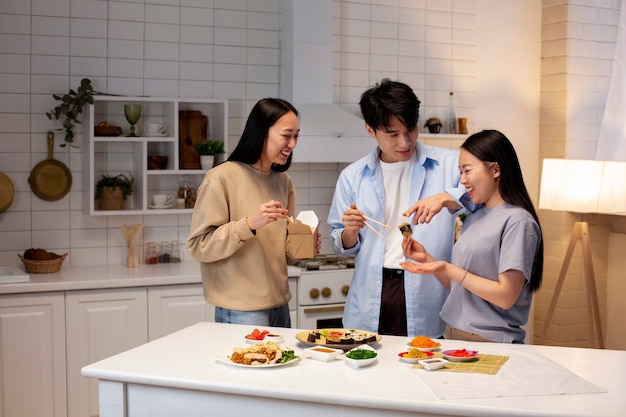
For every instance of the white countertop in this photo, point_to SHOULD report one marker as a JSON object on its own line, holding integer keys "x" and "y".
{"x": 112, "y": 276}
{"x": 188, "y": 360}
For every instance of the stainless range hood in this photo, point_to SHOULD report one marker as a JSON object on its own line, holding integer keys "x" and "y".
{"x": 328, "y": 133}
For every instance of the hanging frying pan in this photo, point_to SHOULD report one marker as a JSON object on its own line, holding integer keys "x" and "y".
{"x": 6, "y": 192}
{"x": 50, "y": 180}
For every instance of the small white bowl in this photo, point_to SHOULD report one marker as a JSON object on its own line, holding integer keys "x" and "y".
{"x": 433, "y": 363}
{"x": 273, "y": 337}
{"x": 322, "y": 353}
{"x": 360, "y": 363}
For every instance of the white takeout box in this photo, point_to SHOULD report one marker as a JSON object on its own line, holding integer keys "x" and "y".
{"x": 303, "y": 235}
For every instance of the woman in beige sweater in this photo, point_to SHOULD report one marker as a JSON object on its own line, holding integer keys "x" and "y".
{"x": 238, "y": 228}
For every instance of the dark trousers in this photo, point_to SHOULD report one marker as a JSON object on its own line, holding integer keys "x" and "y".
{"x": 392, "y": 319}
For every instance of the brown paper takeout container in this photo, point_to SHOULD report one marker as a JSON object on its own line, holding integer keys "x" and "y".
{"x": 303, "y": 235}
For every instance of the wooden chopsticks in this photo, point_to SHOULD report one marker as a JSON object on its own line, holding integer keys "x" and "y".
{"x": 373, "y": 221}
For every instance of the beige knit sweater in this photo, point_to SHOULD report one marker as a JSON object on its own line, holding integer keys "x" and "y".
{"x": 241, "y": 270}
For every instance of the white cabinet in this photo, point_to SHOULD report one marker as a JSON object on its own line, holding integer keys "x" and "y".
{"x": 100, "y": 323}
{"x": 32, "y": 355}
{"x": 174, "y": 307}
{"x": 113, "y": 155}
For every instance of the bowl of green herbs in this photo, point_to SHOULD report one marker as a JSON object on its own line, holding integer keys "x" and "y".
{"x": 361, "y": 356}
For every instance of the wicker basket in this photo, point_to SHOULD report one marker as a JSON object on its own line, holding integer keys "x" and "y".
{"x": 43, "y": 267}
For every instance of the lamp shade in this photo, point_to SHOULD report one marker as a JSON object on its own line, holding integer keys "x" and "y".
{"x": 583, "y": 186}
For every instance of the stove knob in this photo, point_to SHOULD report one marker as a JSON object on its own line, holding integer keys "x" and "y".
{"x": 344, "y": 290}
{"x": 326, "y": 292}
{"x": 314, "y": 293}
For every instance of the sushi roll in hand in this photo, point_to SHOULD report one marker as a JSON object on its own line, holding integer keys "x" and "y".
{"x": 405, "y": 229}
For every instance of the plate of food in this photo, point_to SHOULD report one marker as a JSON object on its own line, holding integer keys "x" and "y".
{"x": 261, "y": 355}
{"x": 424, "y": 343}
{"x": 361, "y": 356}
{"x": 265, "y": 335}
{"x": 344, "y": 339}
{"x": 460, "y": 355}
{"x": 414, "y": 355}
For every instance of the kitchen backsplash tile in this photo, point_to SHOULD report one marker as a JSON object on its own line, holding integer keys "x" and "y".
{"x": 118, "y": 10}
{"x": 197, "y": 34}
{"x": 196, "y": 16}
{"x": 88, "y": 28}
{"x": 50, "y": 26}
{"x": 155, "y": 13}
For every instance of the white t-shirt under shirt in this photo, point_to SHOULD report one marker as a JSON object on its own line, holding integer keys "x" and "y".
{"x": 397, "y": 183}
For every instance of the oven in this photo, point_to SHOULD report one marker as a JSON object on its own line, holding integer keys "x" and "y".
{"x": 322, "y": 292}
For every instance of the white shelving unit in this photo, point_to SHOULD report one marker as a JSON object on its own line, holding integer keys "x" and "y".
{"x": 112, "y": 155}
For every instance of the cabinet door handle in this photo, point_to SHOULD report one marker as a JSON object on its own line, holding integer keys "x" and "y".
{"x": 323, "y": 309}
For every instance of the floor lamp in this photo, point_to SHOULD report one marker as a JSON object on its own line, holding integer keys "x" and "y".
{"x": 582, "y": 186}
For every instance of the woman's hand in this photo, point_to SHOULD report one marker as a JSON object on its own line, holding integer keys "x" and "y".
{"x": 266, "y": 213}
{"x": 426, "y": 208}
{"x": 412, "y": 249}
{"x": 427, "y": 268}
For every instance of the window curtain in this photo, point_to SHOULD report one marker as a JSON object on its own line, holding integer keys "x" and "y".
{"x": 612, "y": 141}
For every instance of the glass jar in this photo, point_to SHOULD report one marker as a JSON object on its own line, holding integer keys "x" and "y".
{"x": 175, "y": 258}
{"x": 187, "y": 192}
{"x": 151, "y": 255}
{"x": 165, "y": 253}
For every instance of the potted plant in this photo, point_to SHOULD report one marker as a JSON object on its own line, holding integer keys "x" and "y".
{"x": 113, "y": 191}
{"x": 207, "y": 150}
{"x": 71, "y": 108}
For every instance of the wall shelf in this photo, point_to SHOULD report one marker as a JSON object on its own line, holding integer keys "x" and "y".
{"x": 112, "y": 155}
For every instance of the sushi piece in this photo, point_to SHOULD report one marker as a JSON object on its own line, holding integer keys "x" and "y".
{"x": 405, "y": 229}
{"x": 313, "y": 337}
{"x": 346, "y": 339}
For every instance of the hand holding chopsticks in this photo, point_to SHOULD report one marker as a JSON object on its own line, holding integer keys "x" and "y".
{"x": 373, "y": 221}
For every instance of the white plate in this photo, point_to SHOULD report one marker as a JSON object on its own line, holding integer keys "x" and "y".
{"x": 265, "y": 339}
{"x": 226, "y": 361}
{"x": 423, "y": 349}
{"x": 154, "y": 135}
{"x": 152, "y": 206}
{"x": 474, "y": 356}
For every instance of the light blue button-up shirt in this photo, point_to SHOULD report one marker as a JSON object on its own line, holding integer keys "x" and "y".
{"x": 436, "y": 170}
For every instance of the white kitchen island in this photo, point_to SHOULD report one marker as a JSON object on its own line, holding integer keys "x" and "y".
{"x": 181, "y": 375}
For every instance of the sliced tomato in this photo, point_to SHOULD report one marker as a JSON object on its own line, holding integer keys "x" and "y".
{"x": 257, "y": 334}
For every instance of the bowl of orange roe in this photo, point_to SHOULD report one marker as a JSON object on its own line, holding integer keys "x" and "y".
{"x": 424, "y": 343}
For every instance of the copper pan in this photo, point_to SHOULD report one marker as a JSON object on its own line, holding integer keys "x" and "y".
{"x": 50, "y": 180}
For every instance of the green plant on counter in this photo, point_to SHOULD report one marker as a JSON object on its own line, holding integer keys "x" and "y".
{"x": 209, "y": 147}
{"x": 121, "y": 181}
{"x": 71, "y": 108}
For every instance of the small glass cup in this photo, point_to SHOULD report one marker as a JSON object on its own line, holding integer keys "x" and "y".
{"x": 165, "y": 253}
{"x": 175, "y": 255}
{"x": 151, "y": 255}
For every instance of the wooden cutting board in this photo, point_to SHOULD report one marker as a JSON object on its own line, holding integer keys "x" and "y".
{"x": 192, "y": 128}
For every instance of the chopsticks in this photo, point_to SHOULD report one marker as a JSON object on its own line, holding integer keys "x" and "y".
{"x": 373, "y": 221}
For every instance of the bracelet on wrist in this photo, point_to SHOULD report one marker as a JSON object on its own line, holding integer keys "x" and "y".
{"x": 463, "y": 279}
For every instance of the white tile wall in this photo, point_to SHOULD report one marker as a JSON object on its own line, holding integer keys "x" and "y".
{"x": 196, "y": 48}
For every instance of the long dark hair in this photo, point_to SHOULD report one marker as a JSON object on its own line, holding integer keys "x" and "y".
{"x": 493, "y": 146}
{"x": 262, "y": 117}
{"x": 389, "y": 98}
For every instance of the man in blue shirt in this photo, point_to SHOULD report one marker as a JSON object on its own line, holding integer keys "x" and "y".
{"x": 381, "y": 187}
